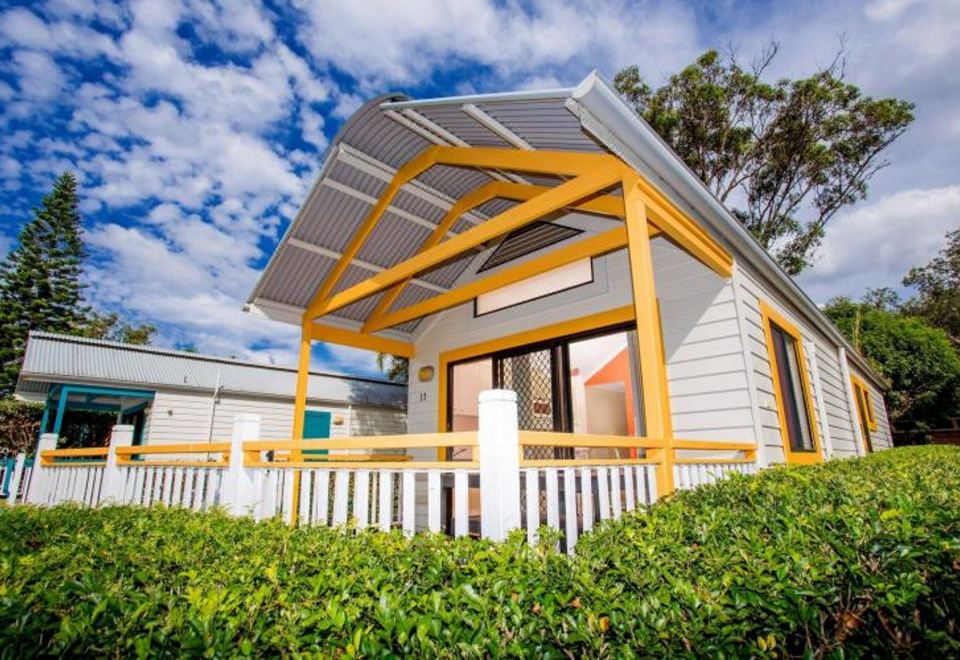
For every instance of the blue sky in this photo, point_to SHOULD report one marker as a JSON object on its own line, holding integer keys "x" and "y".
{"x": 196, "y": 128}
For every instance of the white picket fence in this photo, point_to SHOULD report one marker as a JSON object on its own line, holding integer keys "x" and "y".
{"x": 691, "y": 475}
{"x": 490, "y": 496}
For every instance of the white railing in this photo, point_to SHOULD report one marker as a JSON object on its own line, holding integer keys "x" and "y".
{"x": 386, "y": 482}
{"x": 693, "y": 474}
{"x": 573, "y": 499}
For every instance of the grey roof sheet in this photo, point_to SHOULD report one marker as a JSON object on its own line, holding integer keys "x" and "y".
{"x": 330, "y": 216}
{"x": 54, "y": 358}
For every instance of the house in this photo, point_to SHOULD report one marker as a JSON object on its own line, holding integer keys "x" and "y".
{"x": 588, "y": 330}
{"x": 551, "y": 243}
{"x": 172, "y": 397}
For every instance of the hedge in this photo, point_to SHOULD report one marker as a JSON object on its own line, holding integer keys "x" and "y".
{"x": 856, "y": 557}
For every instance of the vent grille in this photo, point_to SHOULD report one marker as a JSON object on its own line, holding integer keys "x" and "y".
{"x": 526, "y": 240}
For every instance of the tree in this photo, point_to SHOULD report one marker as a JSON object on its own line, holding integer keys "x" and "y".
{"x": 938, "y": 285}
{"x": 787, "y": 154}
{"x": 919, "y": 361}
{"x": 40, "y": 278}
{"x": 394, "y": 367}
{"x": 110, "y": 327}
{"x": 19, "y": 426}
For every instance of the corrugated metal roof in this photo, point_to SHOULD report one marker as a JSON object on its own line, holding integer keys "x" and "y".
{"x": 362, "y": 159}
{"x": 54, "y": 358}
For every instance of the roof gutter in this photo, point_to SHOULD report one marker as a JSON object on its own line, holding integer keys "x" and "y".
{"x": 604, "y": 114}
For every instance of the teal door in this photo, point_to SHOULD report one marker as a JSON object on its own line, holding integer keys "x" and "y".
{"x": 316, "y": 424}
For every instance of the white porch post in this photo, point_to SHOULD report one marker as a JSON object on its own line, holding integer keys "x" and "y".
{"x": 16, "y": 478}
{"x": 111, "y": 492}
{"x": 41, "y": 474}
{"x": 499, "y": 440}
{"x": 238, "y": 495}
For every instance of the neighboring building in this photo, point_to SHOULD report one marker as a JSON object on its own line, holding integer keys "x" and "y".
{"x": 180, "y": 397}
{"x": 552, "y": 244}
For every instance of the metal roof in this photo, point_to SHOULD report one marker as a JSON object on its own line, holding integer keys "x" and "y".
{"x": 378, "y": 139}
{"x": 54, "y": 358}
{"x": 388, "y": 131}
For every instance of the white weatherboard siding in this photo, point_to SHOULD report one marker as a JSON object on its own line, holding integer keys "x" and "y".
{"x": 835, "y": 401}
{"x": 831, "y": 386}
{"x": 705, "y": 366}
{"x": 184, "y": 417}
{"x": 707, "y": 375}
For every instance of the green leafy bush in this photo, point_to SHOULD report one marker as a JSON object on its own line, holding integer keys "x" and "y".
{"x": 856, "y": 558}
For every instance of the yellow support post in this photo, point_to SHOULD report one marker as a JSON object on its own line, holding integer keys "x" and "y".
{"x": 656, "y": 395}
{"x": 299, "y": 408}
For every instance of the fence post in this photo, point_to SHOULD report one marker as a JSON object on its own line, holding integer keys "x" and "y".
{"x": 41, "y": 473}
{"x": 499, "y": 440}
{"x": 112, "y": 489}
{"x": 13, "y": 483}
{"x": 238, "y": 495}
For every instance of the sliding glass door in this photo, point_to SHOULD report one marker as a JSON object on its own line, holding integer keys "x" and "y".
{"x": 582, "y": 384}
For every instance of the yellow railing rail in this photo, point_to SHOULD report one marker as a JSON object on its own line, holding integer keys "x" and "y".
{"x": 283, "y": 449}
{"x": 655, "y": 450}
{"x": 126, "y": 455}
{"x": 49, "y": 457}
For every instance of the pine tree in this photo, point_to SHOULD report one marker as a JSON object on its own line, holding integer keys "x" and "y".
{"x": 40, "y": 286}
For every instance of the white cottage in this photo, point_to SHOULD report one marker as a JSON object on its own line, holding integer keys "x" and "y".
{"x": 588, "y": 329}
{"x": 552, "y": 244}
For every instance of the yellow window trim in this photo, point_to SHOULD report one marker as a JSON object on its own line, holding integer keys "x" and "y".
{"x": 770, "y": 317}
{"x": 859, "y": 383}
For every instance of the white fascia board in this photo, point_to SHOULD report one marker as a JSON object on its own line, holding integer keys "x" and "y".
{"x": 604, "y": 114}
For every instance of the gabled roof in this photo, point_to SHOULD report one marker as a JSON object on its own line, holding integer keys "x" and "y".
{"x": 389, "y": 131}
{"x": 54, "y": 358}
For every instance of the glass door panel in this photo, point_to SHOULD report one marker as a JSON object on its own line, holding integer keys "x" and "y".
{"x": 602, "y": 393}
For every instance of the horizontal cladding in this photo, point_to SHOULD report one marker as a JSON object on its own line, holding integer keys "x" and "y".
{"x": 707, "y": 377}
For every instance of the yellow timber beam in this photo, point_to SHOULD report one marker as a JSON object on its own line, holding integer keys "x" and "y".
{"x": 610, "y": 205}
{"x": 683, "y": 229}
{"x": 365, "y": 341}
{"x": 653, "y": 371}
{"x": 415, "y": 166}
{"x": 555, "y": 198}
{"x": 591, "y": 247}
{"x": 469, "y": 201}
{"x": 545, "y": 162}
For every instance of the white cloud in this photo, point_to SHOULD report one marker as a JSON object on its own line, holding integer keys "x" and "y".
{"x": 39, "y": 77}
{"x": 383, "y": 42}
{"x": 876, "y": 244}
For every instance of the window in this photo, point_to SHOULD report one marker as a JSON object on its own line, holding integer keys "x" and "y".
{"x": 553, "y": 281}
{"x": 791, "y": 388}
{"x": 868, "y": 424}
